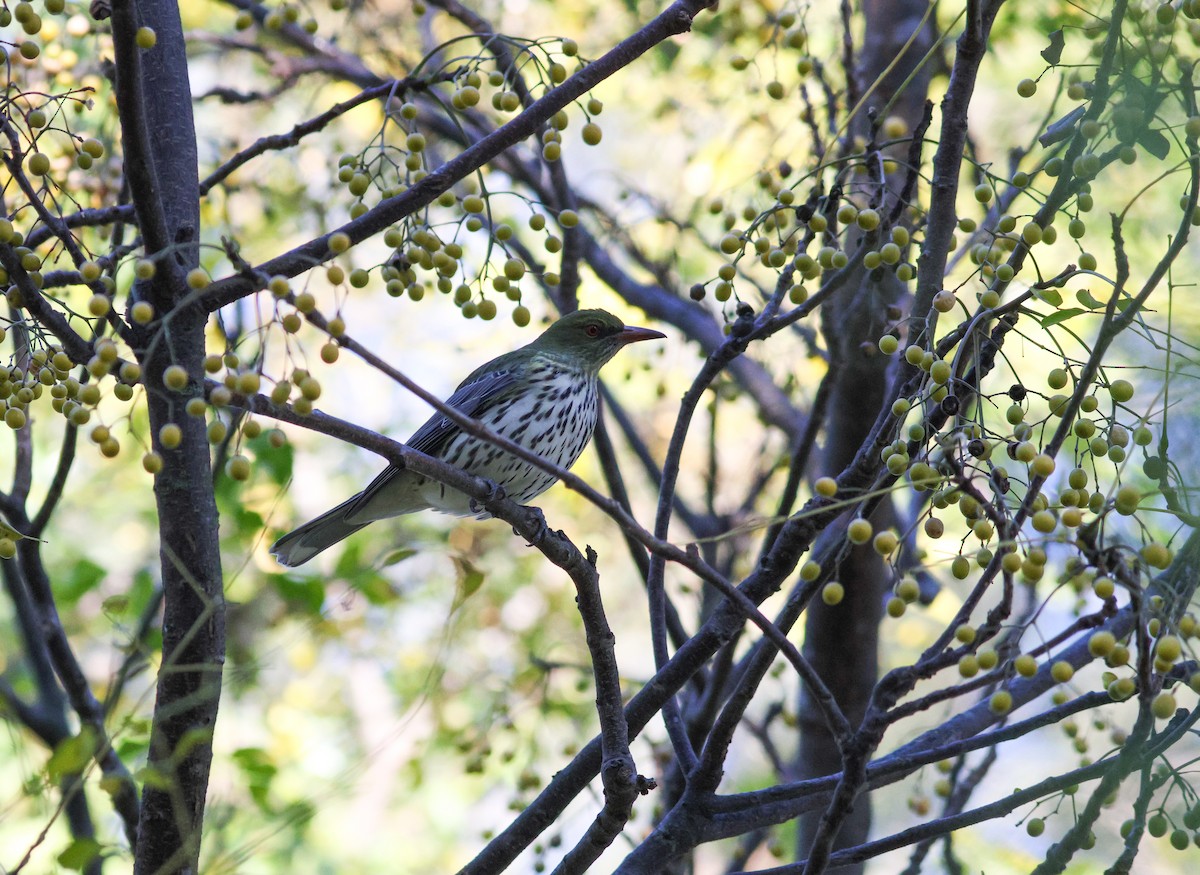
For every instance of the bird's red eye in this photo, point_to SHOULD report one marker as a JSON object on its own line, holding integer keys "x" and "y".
{"x": 593, "y": 330}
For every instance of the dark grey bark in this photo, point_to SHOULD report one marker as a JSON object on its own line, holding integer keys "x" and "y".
{"x": 154, "y": 102}
{"x": 842, "y": 641}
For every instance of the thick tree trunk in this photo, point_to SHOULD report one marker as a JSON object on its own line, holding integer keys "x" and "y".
{"x": 158, "y": 133}
{"x": 842, "y": 641}
{"x": 189, "y": 682}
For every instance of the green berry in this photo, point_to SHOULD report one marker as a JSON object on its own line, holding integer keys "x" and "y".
{"x": 175, "y": 378}
{"x": 833, "y": 593}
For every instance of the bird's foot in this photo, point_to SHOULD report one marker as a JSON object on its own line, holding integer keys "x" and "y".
{"x": 540, "y": 531}
{"x": 495, "y": 493}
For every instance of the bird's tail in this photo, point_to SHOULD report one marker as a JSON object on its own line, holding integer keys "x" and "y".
{"x": 298, "y": 546}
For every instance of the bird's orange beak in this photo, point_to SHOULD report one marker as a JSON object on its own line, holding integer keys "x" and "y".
{"x": 632, "y": 334}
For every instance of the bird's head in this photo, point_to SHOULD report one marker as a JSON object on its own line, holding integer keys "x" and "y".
{"x": 589, "y": 338}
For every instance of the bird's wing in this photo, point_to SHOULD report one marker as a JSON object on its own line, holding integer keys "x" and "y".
{"x": 470, "y": 398}
{"x": 476, "y": 392}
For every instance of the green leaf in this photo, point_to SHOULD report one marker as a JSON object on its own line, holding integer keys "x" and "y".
{"x": 1053, "y": 52}
{"x": 131, "y": 748}
{"x": 470, "y": 579}
{"x": 79, "y": 853}
{"x": 1154, "y": 142}
{"x": 1084, "y": 296}
{"x": 255, "y": 763}
{"x": 247, "y": 522}
{"x": 197, "y": 737}
{"x": 150, "y": 776}
{"x": 9, "y": 532}
{"x": 306, "y": 594}
{"x": 397, "y": 556}
{"x": 349, "y": 560}
{"x": 71, "y": 755}
{"x": 299, "y": 813}
{"x": 1050, "y": 296}
{"x": 665, "y": 55}
{"x": 1062, "y": 316}
{"x": 375, "y": 587}
{"x": 82, "y": 578}
{"x": 274, "y": 462}
{"x": 115, "y": 605}
{"x": 362, "y": 576}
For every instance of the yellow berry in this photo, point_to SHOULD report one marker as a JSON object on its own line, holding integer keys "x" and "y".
{"x": 175, "y": 377}
{"x": 885, "y": 543}
{"x": 1127, "y": 500}
{"x": 1062, "y": 671}
{"x": 1044, "y": 521}
{"x": 1121, "y": 390}
{"x": 1042, "y": 465}
{"x": 833, "y": 593}
{"x": 170, "y": 436}
{"x": 826, "y": 487}
{"x": 1168, "y": 648}
{"x": 38, "y": 164}
{"x": 1157, "y": 555}
{"x": 859, "y": 531}
{"x": 146, "y": 38}
{"x": 310, "y": 388}
{"x": 908, "y": 589}
{"x": 99, "y": 305}
{"x": 868, "y": 220}
{"x": 1101, "y": 643}
{"x": 514, "y": 269}
{"x": 1163, "y": 706}
{"x": 238, "y": 467}
{"x": 142, "y": 312}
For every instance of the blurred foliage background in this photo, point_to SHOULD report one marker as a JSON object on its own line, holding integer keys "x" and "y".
{"x": 392, "y": 706}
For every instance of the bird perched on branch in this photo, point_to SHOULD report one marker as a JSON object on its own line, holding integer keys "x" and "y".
{"x": 542, "y": 396}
